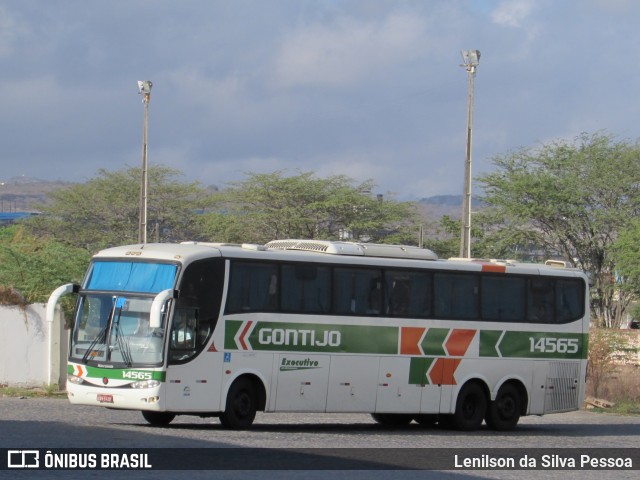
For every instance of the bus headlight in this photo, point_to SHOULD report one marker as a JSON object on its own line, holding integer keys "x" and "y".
{"x": 75, "y": 380}
{"x": 145, "y": 384}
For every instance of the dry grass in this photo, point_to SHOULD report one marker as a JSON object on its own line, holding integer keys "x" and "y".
{"x": 46, "y": 391}
{"x": 10, "y": 296}
{"x": 621, "y": 386}
{"x": 622, "y": 383}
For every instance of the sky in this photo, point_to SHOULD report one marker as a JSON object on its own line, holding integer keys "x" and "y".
{"x": 370, "y": 89}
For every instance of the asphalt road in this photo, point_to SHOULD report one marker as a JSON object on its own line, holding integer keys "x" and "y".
{"x": 55, "y": 424}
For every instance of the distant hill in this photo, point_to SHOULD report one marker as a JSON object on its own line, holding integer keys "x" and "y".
{"x": 23, "y": 194}
{"x": 451, "y": 205}
{"x": 444, "y": 200}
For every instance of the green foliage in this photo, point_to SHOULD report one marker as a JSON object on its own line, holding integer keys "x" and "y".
{"x": 105, "y": 211}
{"x": 626, "y": 407}
{"x": 446, "y": 242}
{"x": 570, "y": 199}
{"x": 625, "y": 253}
{"x": 272, "y": 206}
{"x": 635, "y": 312}
{"x": 35, "y": 266}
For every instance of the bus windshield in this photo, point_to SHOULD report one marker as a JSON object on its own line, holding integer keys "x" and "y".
{"x": 126, "y": 276}
{"x": 112, "y": 320}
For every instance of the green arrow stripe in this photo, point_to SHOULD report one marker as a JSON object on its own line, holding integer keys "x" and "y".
{"x": 489, "y": 342}
{"x": 418, "y": 368}
{"x": 231, "y": 328}
{"x": 433, "y": 341}
{"x": 533, "y": 344}
{"x": 303, "y": 337}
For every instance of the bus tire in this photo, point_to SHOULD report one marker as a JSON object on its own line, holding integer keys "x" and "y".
{"x": 504, "y": 412}
{"x": 241, "y": 407}
{"x": 158, "y": 419}
{"x": 471, "y": 407}
{"x": 392, "y": 419}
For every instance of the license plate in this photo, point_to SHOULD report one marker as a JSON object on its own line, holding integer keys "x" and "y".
{"x": 103, "y": 398}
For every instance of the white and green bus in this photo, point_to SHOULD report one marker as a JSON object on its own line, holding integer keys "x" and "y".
{"x": 318, "y": 326}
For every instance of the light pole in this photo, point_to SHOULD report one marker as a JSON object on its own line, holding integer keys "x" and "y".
{"x": 471, "y": 59}
{"x": 144, "y": 89}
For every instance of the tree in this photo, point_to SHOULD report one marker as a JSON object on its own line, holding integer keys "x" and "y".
{"x": 272, "y": 206}
{"x": 569, "y": 199}
{"x": 625, "y": 254}
{"x": 446, "y": 240}
{"x": 105, "y": 210}
{"x": 35, "y": 266}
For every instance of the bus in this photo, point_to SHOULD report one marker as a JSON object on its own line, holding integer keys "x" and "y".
{"x": 227, "y": 330}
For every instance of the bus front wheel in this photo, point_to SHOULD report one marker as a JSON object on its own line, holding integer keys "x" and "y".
{"x": 504, "y": 412}
{"x": 158, "y": 419}
{"x": 471, "y": 407}
{"x": 241, "y": 407}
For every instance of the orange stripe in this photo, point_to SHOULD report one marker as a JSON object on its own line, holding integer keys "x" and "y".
{"x": 443, "y": 371}
{"x": 435, "y": 374}
{"x": 491, "y": 267}
{"x": 450, "y": 367}
{"x": 410, "y": 340}
{"x": 244, "y": 332}
{"x": 458, "y": 342}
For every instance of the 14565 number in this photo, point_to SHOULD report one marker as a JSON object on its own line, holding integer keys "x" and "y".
{"x": 553, "y": 345}
{"x": 134, "y": 375}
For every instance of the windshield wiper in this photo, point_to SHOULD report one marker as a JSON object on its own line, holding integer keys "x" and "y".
{"x": 101, "y": 337}
{"x": 125, "y": 349}
{"x": 122, "y": 343}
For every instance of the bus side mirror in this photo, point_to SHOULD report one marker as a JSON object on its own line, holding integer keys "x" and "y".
{"x": 55, "y": 297}
{"x": 155, "y": 316}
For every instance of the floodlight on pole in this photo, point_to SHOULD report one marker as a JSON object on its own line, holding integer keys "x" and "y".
{"x": 471, "y": 59}
{"x": 144, "y": 89}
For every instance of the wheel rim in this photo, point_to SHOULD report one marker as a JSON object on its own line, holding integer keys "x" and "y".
{"x": 470, "y": 407}
{"x": 506, "y": 407}
{"x": 242, "y": 405}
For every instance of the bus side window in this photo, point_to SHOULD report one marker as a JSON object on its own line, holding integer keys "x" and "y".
{"x": 197, "y": 308}
{"x": 399, "y": 298}
{"x": 540, "y": 304}
{"x": 569, "y": 305}
{"x": 456, "y": 295}
{"x": 183, "y": 333}
{"x": 409, "y": 293}
{"x": 305, "y": 289}
{"x": 253, "y": 287}
{"x": 503, "y": 298}
{"x": 357, "y": 291}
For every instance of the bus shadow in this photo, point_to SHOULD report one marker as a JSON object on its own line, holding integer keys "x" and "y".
{"x": 523, "y": 430}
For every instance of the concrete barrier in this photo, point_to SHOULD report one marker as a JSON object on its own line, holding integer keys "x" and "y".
{"x": 32, "y": 353}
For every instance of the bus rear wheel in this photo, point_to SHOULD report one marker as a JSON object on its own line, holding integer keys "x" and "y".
{"x": 504, "y": 412}
{"x": 242, "y": 405}
{"x": 392, "y": 419}
{"x": 158, "y": 419}
{"x": 471, "y": 407}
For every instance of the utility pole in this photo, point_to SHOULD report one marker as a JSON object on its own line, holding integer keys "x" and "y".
{"x": 471, "y": 59}
{"x": 144, "y": 89}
